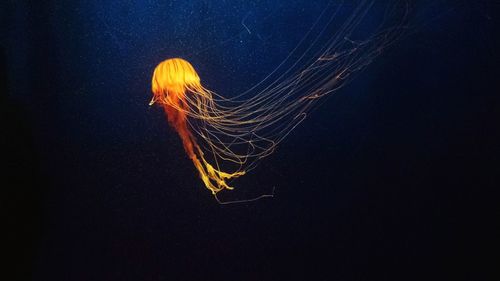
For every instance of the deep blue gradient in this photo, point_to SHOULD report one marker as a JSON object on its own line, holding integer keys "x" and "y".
{"x": 392, "y": 178}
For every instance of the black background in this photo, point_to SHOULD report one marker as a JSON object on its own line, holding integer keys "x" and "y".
{"x": 393, "y": 178}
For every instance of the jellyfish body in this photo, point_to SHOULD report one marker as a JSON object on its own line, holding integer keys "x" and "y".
{"x": 173, "y": 80}
{"x": 226, "y": 137}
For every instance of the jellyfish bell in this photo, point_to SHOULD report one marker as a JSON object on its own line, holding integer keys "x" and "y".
{"x": 173, "y": 76}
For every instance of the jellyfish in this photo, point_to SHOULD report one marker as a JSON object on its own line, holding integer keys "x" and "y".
{"x": 225, "y": 137}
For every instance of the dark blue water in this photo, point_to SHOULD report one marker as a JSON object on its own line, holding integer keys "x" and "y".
{"x": 392, "y": 178}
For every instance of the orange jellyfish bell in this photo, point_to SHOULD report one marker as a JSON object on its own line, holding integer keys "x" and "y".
{"x": 173, "y": 75}
{"x": 173, "y": 80}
